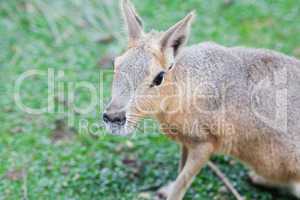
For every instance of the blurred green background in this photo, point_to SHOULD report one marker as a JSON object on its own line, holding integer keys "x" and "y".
{"x": 49, "y": 156}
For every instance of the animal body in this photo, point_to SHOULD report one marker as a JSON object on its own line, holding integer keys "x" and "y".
{"x": 211, "y": 99}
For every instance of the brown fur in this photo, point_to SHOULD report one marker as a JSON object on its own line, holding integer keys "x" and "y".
{"x": 208, "y": 102}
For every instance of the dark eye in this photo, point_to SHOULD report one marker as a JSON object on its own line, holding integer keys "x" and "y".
{"x": 158, "y": 79}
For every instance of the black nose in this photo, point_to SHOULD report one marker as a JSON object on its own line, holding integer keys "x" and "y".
{"x": 106, "y": 117}
{"x": 117, "y": 118}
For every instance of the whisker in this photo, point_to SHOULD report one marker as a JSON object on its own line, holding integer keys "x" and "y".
{"x": 136, "y": 126}
{"x": 134, "y": 116}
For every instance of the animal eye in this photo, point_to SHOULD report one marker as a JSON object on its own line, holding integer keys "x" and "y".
{"x": 158, "y": 79}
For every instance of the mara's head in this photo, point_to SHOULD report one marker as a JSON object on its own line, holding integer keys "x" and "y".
{"x": 142, "y": 74}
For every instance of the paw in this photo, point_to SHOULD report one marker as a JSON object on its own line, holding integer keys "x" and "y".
{"x": 296, "y": 190}
{"x": 164, "y": 192}
{"x": 255, "y": 179}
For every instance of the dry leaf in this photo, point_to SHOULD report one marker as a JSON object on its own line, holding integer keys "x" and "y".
{"x": 62, "y": 131}
{"x": 129, "y": 144}
{"x": 16, "y": 129}
{"x": 223, "y": 190}
{"x": 144, "y": 195}
{"x": 105, "y": 39}
{"x": 296, "y": 52}
{"x": 107, "y": 61}
{"x": 15, "y": 175}
{"x": 228, "y": 2}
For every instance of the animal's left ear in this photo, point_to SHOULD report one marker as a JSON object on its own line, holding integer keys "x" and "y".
{"x": 132, "y": 20}
{"x": 176, "y": 37}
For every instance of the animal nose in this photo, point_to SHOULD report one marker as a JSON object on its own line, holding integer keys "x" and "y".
{"x": 106, "y": 117}
{"x": 117, "y": 118}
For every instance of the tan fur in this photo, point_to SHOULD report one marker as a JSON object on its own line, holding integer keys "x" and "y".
{"x": 206, "y": 102}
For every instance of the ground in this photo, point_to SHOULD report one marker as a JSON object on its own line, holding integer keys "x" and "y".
{"x": 50, "y": 155}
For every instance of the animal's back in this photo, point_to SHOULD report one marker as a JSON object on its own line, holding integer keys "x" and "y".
{"x": 273, "y": 83}
{"x": 265, "y": 81}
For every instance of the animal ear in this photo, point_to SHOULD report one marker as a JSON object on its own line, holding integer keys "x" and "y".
{"x": 132, "y": 20}
{"x": 176, "y": 36}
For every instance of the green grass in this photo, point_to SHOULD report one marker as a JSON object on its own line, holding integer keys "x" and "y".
{"x": 62, "y": 35}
